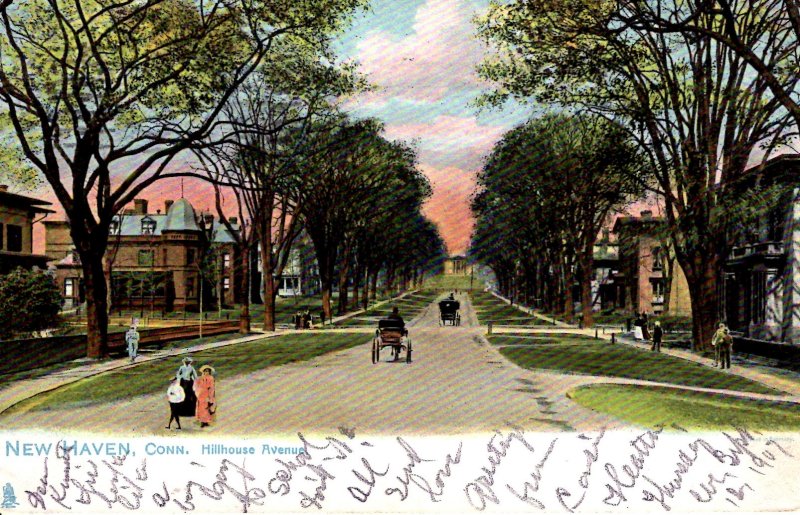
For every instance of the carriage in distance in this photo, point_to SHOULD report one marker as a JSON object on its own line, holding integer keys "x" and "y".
{"x": 448, "y": 312}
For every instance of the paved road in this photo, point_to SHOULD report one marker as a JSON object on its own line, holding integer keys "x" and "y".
{"x": 457, "y": 383}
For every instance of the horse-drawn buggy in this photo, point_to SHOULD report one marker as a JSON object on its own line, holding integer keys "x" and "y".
{"x": 391, "y": 333}
{"x": 448, "y": 312}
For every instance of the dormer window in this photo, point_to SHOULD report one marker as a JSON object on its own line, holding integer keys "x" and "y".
{"x": 148, "y": 225}
{"x": 113, "y": 227}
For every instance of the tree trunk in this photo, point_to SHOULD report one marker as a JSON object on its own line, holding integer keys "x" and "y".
{"x": 244, "y": 318}
{"x": 374, "y": 287}
{"x": 326, "y": 266}
{"x": 365, "y": 292}
{"x": 342, "y": 309}
{"x": 357, "y": 274}
{"x": 586, "y": 261}
{"x": 96, "y": 291}
{"x": 702, "y": 274}
{"x": 390, "y": 280}
{"x": 267, "y": 278}
{"x": 569, "y": 300}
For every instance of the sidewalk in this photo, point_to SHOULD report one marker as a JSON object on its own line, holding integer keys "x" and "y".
{"x": 17, "y": 391}
{"x": 747, "y": 368}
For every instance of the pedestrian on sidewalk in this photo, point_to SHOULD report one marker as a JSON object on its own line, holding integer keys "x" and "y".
{"x": 132, "y": 341}
{"x": 725, "y": 348}
{"x": 175, "y": 396}
{"x": 658, "y": 333}
{"x": 716, "y": 341}
{"x": 186, "y": 376}
{"x": 205, "y": 390}
{"x": 638, "y": 334}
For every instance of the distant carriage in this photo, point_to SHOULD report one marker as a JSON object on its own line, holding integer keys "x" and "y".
{"x": 448, "y": 312}
{"x": 391, "y": 333}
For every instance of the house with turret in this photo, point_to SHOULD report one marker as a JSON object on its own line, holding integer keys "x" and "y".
{"x": 156, "y": 260}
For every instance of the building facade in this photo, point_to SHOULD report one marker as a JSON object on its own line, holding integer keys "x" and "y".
{"x": 640, "y": 279}
{"x": 457, "y": 265}
{"x": 760, "y": 290}
{"x": 18, "y": 214}
{"x": 156, "y": 261}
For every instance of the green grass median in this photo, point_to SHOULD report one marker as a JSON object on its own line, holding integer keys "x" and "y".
{"x": 575, "y": 355}
{"x": 229, "y": 361}
{"x": 649, "y": 406}
{"x": 489, "y": 308}
{"x": 410, "y": 306}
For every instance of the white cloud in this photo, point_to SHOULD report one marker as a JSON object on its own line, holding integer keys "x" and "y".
{"x": 437, "y": 58}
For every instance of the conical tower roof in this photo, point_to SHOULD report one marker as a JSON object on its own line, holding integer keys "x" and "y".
{"x": 181, "y": 217}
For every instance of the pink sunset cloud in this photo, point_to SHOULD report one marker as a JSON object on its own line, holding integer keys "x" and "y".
{"x": 448, "y": 207}
{"x": 461, "y": 143}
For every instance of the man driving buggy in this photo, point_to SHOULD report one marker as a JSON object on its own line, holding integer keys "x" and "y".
{"x": 394, "y": 320}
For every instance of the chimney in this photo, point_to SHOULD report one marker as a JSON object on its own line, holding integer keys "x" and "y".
{"x": 3, "y": 187}
{"x": 647, "y": 214}
{"x": 140, "y": 206}
{"x": 167, "y": 205}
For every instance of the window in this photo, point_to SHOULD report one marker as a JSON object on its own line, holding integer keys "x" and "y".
{"x": 658, "y": 291}
{"x": 775, "y": 225}
{"x": 148, "y": 225}
{"x": 69, "y": 287}
{"x": 113, "y": 227}
{"x": 226, "y": 261}
{"x": 658, "y": 258}
{"x": 226, "y": 283}
{"x": 145, "y": 258}
{"x": 190, "y": 287}
{"x": 14, "y": 242}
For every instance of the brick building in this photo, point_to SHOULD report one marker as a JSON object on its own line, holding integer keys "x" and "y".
{"x": 18, "y": 214}
{"x": 156, "y": 261}
{"x": 648, "y": 279}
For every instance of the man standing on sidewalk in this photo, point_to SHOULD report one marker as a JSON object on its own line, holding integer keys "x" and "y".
{"x": 716, "y": 342}
{"x": 725, "y": 348}
{"x": 658, "y": 334}
{"x": 132, "y": 340}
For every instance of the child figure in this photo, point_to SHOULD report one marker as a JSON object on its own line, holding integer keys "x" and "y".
{"x": 176, "y": 396}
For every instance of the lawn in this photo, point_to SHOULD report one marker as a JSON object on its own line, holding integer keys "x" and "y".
{"x": 570, "y": 355}
{"x": 490, "y": 308}
{"x": 652, "y": 406}
{"x": 452, "y": 282}
{"x": 409, "y": 306}
{"x": 154, "y": 376}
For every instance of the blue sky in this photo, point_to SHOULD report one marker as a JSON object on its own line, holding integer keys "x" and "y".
{"x": 421, "y": 55}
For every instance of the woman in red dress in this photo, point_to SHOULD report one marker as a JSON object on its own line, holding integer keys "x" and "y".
{"x": 206, "y": 396}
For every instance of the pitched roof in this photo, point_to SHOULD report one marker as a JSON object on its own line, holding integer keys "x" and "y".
{"x": 33, "y": 204}
{"x": 132, "y": 224}
{"x": 221, "y": 234}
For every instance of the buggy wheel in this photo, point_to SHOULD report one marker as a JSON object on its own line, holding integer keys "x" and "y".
{"x": 376, "y": 351}
{"x": 408, "y": 351}
{"x": 458, "y": 320}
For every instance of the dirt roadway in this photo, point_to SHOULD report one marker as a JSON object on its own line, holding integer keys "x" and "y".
{"x": 457, "y": 383}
